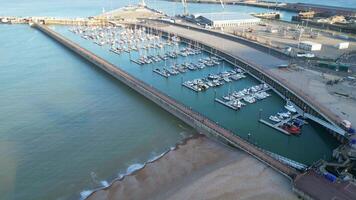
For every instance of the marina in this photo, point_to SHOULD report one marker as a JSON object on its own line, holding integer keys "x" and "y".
{"x": 214, "y": 80}
{"x": 197, "y": 84}
{"x": 120, "y": 70}
{"x": 281, "y": 122}
{"x": 127, "y": 40}
{"x": 172, "y": 81}
{"x": 176, "y": 69}
{"x": 248, "y": 95}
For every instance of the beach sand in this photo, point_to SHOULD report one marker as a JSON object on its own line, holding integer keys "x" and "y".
{"x": 201, "y": 169}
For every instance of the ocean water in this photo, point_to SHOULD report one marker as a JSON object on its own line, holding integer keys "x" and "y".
{"x": 66, "y": 127}
{"x": 84, "y": 8}
{"x": 340, "y": 3}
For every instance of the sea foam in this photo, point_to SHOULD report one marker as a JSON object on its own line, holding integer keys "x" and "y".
{"x": 85, "y": 194}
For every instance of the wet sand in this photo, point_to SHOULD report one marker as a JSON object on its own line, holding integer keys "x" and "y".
{"x": 201, "y": 169}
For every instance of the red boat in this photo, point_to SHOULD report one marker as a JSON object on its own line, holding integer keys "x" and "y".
{"x": 292, "y": 129}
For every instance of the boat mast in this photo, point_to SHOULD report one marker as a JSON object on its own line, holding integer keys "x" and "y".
{"x": 143, "y": 4}
{"x": 185, "y": 6}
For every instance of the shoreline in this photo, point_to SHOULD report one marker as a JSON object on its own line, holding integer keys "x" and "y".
{"x": 85, "y": 194}
{"x": 179, "y": 172}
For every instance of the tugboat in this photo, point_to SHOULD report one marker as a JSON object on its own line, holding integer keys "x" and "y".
{"x": 290, "y": 128}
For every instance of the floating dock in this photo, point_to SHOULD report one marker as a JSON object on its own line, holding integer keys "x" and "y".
{"x": 161, "y": 73}
{"x": 278, "y": 124}
{"x": 225, "y": 103}
{"x": 135, "y": 61}
{"x": 274, "y": 126}
{"x": 190, "y": 87}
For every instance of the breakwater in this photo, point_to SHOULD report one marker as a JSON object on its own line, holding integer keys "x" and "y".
{"x": 192, "y": 118}
{"x": 53, "y": 21}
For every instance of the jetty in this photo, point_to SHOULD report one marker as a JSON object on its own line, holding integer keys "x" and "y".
{"x": 278, "y": 124}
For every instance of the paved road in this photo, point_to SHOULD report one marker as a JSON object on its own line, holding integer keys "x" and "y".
{"x": 252, "y": 55}
{"x": 318, "y": 187}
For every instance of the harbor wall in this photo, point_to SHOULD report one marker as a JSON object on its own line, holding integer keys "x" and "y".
{"x": 54, "y": 21}
{"x": 190, "y": 117}
{"x": 298, "y": 97}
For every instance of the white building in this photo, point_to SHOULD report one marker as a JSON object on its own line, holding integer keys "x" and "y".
{"x": 343, "y": 45}
{"x": 310, "y": 46}
{"x": 226, "y": 19}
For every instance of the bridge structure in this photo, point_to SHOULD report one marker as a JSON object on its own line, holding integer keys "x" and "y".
{"x": 326, "y": 124}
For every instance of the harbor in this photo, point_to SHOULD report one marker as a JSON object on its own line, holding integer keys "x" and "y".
{"x": 185, "y": 114}
{"x": 227, "y": 64}
{"x": 248, "y": 95}
{"x": 212, "y": 83}
{"x": 209, "y": 95}
{"x": 214, "y": 80}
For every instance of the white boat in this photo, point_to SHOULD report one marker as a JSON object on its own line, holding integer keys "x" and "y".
{"x": 274, "y": 118}
{"x": 290, "y": 107}
{"x": 249, "y": 99}
{"x": 284, "y": 114}
{"x": 228, "y": 98}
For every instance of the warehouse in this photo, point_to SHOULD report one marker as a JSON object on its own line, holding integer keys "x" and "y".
{"x": 226, "y": 19}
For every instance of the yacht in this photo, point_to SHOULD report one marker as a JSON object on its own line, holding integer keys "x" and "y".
{"x": 290, "y": 107}
{"x": 274, "y": 118}
{"x": 284, "y": 114}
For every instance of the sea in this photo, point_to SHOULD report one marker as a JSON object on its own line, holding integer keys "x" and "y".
{"x": 67, "y": 128}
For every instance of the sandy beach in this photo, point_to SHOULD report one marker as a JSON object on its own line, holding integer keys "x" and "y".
{"x": 201, "y": 168}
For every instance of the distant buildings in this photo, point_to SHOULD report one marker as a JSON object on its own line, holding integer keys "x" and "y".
{"x": 225, "y": 19}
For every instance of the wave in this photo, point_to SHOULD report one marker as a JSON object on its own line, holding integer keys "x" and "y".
{"x": 104, "y": 183}
{"x": 134, "y": 168}
{"x": 85, "y": 194}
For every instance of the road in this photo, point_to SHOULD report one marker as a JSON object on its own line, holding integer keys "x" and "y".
{"x": 254, "y": 56}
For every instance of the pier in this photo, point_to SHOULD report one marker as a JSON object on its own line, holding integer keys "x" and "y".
{"x": 192, "y": 118}
{"x": 54, "y": 21}
{"x": 278, "y": 124}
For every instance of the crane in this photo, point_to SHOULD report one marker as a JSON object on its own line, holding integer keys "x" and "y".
{"x": 143, "y": 4}
{"x": 222, "y": 4}
{"x": 185, "y": 7}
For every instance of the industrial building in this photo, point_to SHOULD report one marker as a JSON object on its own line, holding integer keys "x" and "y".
{"x": 226, "y": 19}
{"x": 310, "y": 46}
